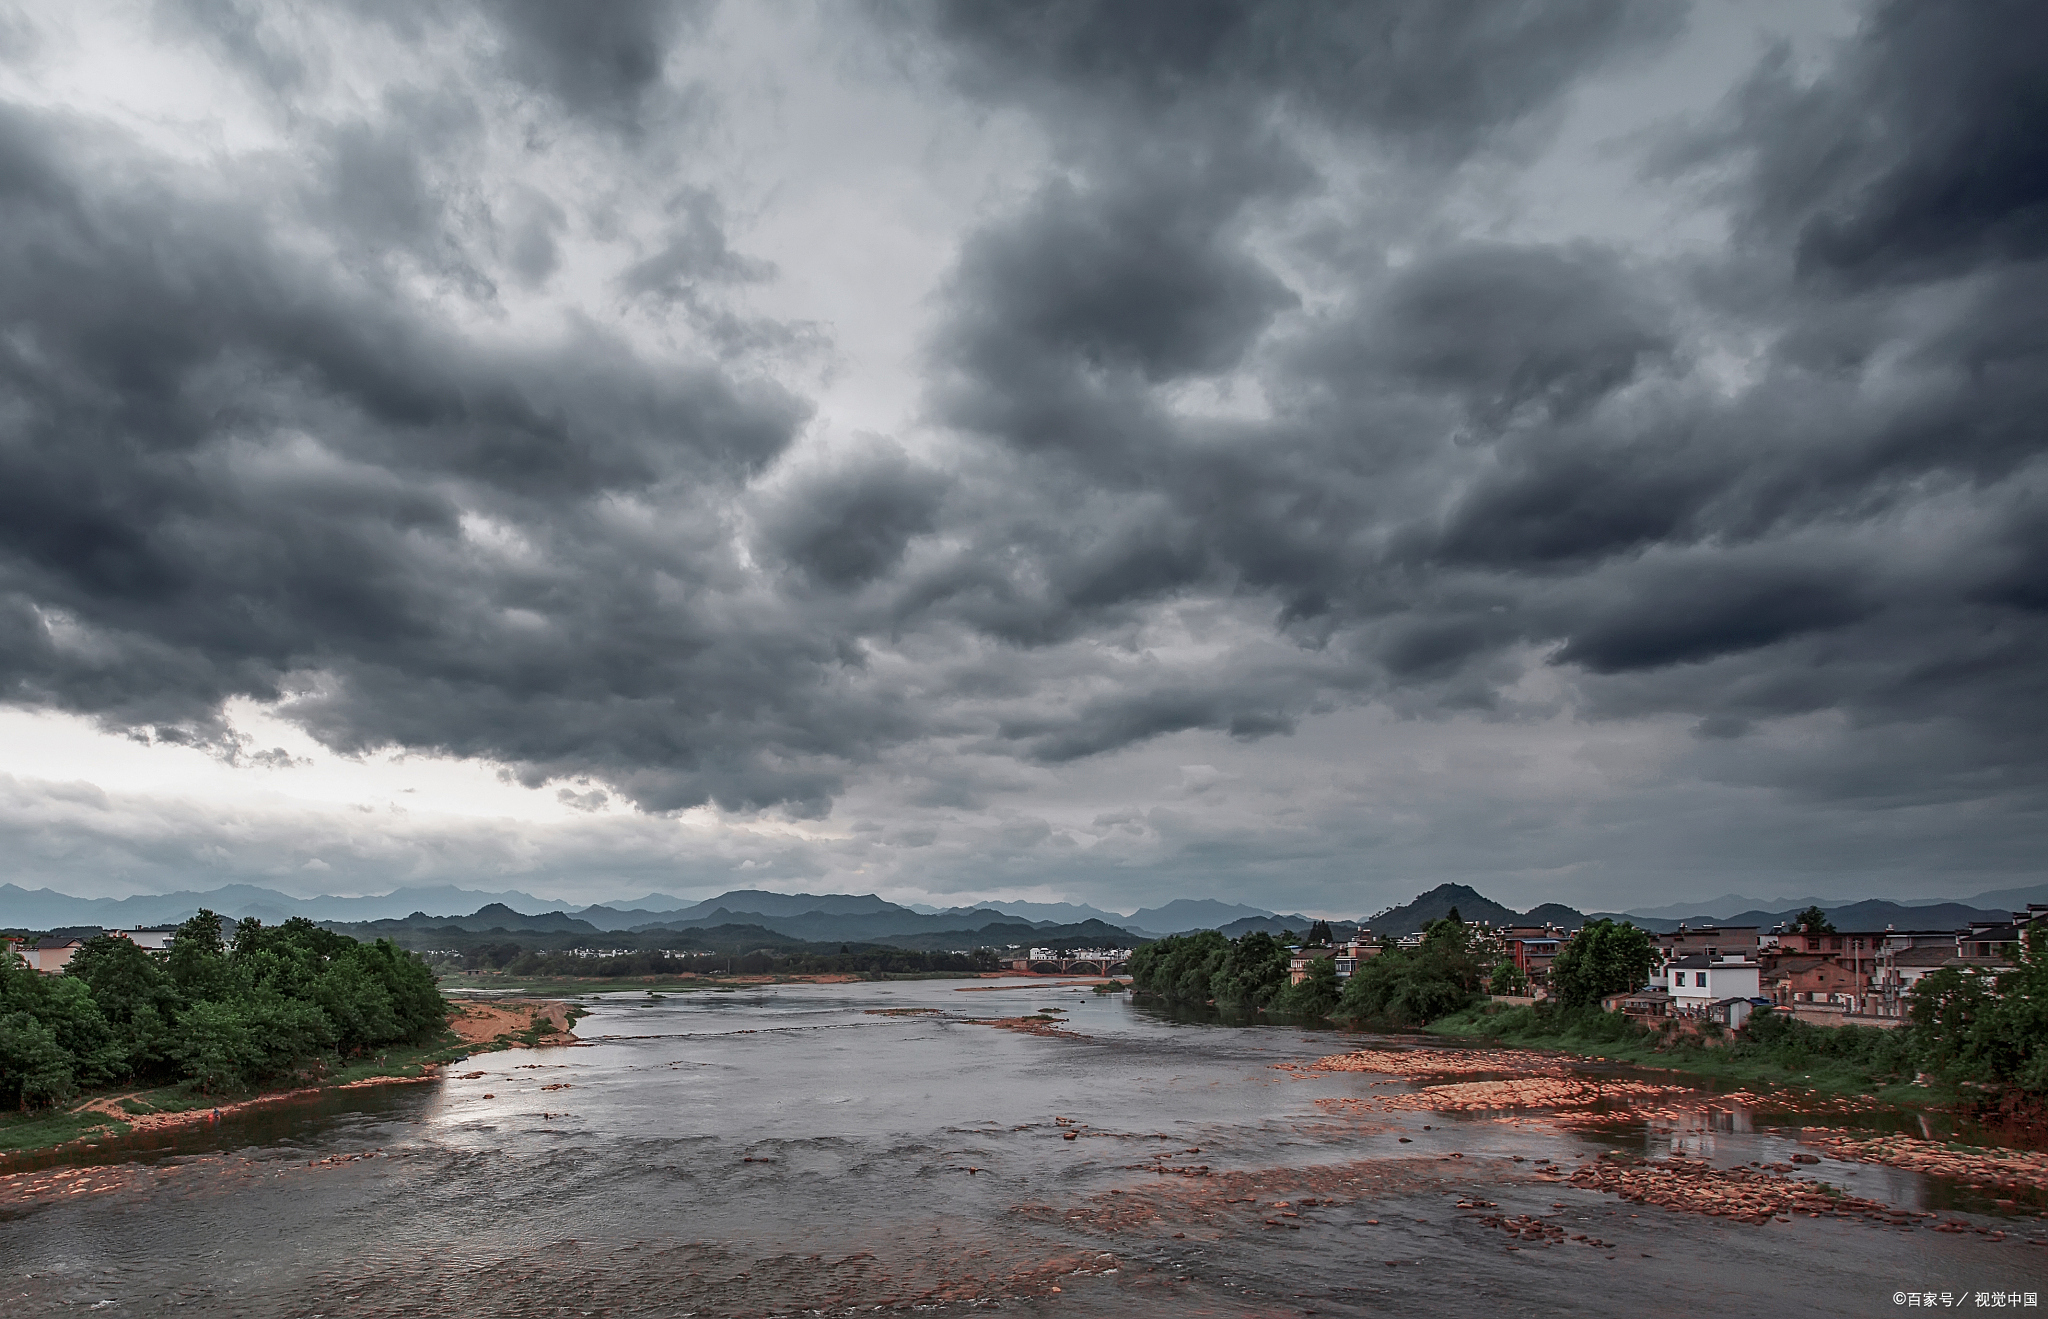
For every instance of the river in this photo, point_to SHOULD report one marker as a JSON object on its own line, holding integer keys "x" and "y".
{"x": 830, "y": 1148}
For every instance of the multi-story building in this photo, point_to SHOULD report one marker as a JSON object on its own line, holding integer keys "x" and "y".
{"x": 1533, "y": 948}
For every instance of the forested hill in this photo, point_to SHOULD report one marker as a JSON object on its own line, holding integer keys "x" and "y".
{"x": 1472, "y": 906}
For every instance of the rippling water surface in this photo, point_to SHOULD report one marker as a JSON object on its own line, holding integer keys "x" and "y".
{"x": 822, "y": 1148}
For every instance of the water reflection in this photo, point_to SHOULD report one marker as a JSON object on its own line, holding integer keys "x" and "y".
{"x": 812, "y": 1147}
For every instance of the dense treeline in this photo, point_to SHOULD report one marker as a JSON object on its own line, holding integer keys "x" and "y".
{"x": 1399, "y": 987}
{"x": 724, "y": 940}
{"x": 1965, "y": 1026}
{"x": 1246, "y": 974}
{"x": 512, "y": 959}
{"x": 1970, "y": 1028}
{"x": 221, "y": 1013}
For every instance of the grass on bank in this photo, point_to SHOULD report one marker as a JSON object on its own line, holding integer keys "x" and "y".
{"x": 1773, "y": 1050}
{"x": 46, "y": 1128}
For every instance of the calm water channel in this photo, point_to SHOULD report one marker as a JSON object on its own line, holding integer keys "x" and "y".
{"x": 822, "y": 1148}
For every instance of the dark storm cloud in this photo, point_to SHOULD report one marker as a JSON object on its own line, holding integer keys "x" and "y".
{"x": 850, "y": 523}
{"x": 597, "y": 60}
{"x": 1510, "y": 328}
{"x": 1709, "y": 609}
{"x": 1491, "y": 446}
{"x": 229, "y": 471}
{"x": 1919, "y": 155}
{"x": 1440, "y": 77}
{"x": 1229, "y": 422}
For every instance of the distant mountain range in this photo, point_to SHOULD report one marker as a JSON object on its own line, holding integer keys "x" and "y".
{"x": 867, "y": 917}
{"x": 41, "y": 909}
{"x": 1871, "y": 915}
{"x": 724, "y": 930}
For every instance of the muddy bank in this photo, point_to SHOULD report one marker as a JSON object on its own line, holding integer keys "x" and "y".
{"x": 1996, "y": 1169}
{"x": 506, "y": 1021}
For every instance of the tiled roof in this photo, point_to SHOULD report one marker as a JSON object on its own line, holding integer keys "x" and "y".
{"x": 1933, "y": 955}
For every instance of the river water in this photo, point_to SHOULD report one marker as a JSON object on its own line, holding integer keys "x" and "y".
{"x": 837, "y": 1148}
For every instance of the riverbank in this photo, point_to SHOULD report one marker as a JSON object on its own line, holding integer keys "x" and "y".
{"x": 1559, "y": 1089}
{"x": 110, "y": 1115}
{"x": 684, "y": 982}
{"x": 1822, "y": 1059}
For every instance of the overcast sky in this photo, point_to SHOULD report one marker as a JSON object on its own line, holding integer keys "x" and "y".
{"x": 1289, "y": 453}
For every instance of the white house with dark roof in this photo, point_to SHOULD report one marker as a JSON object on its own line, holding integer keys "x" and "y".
{"x": 1698, "y": 982}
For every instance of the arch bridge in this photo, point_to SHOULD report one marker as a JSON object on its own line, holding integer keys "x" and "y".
{"x": 1071, "y": 966}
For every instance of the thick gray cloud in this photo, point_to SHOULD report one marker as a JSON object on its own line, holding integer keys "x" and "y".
{"x": 1497, "y": 445}
{"x": 1245, "y": 404}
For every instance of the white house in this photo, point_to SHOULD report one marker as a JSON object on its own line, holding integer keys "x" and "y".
{"x": 1700, "y": 981}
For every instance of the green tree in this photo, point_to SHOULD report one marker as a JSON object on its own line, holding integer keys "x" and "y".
{"x": 198, "y": 959}
{"x": 135, "y": 995}
{"x": 1180, "y": 967}
{"x": 81, "y": 1031}
{"x": 1983, "y": 1025}
{"x": 1319, "y": 935}
{"x": 1813, "y": 921}
{"x": 1253, "y": 970}
{"x": 1507, "y": 978}
{"x": 216, "y": 1047}
{"x": 1602, "y": 958}
{"x": 35, "y": 1070}
{"x": 1414, "y": 986}
{"x": 1316, "y": 995}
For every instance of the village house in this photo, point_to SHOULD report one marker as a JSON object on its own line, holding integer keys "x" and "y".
{"x": 1300, "y": 959}
{"x": 1815, "y": 979}
{"x": 2000, "y": 940}
{"x": 1533, "y": 948}
{"x": 1639, "y": 1003}
{"x": 1902, "y": 968}
{"x": 1699, "y": 981}
{"x": 50, "y": 955}
{"x": 1713, "y": 940}
{"x": 1349, "y": 956}
{"x": 1731, "y": 1012}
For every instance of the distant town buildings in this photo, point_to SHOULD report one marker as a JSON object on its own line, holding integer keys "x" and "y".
{"x": 1720, "y": 973}
{"x": 1349, "y": 956}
